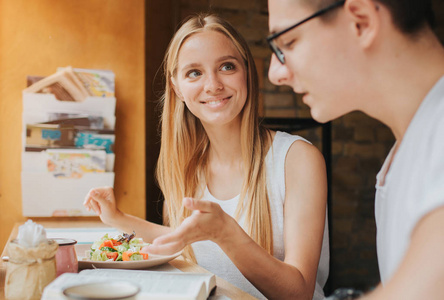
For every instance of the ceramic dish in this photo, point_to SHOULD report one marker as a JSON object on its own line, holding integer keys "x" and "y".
{"x": 102, "y": 291}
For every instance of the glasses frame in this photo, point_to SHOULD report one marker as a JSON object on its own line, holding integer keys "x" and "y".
{"x": 270, "y": 39}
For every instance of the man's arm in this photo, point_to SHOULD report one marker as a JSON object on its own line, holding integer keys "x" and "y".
{"x": 421, "y": 273}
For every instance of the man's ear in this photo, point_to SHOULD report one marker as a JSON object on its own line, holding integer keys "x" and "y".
{"x": 175, "y": 88}
{"x": 366, "y": 18}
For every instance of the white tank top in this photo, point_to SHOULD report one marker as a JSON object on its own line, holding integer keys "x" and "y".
{"x": 211, "y": 257}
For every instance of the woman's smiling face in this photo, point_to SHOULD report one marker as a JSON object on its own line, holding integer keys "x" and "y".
{"x": 211, "y": 78}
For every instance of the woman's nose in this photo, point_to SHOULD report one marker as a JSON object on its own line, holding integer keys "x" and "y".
{"x": 213, "y": 84}
{"x": 278, "y": 73}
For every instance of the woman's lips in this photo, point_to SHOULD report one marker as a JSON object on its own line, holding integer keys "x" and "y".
{"x": 215, "y": 101}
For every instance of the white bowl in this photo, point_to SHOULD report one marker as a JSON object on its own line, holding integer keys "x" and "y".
{"x": 102, "y": 291}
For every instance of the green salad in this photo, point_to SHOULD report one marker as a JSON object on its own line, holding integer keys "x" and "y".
{"x": 120, "y": 248}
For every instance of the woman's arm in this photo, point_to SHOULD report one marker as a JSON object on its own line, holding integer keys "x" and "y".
{"x": 103, "y": 203}
{"x": 304, "y": 220}
{"x": 304, "y": 217}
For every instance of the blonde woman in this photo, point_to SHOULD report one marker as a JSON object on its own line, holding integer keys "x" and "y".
{"x": 244, "y": 202}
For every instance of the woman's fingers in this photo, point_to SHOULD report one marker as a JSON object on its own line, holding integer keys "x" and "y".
{"x": 164, "y": 249}
{"x": 95, "y": 195}
{"x": 87, "y": 205}
{"x": 173, "y": 242}
{"x": 183, "y": 235}
{"x": 201, "y": 205}
{"x": 98, "y": 197}
{"x": 95, "y": 207}
{"x": 195, "y": 228}
{"x": 87, "y": 201}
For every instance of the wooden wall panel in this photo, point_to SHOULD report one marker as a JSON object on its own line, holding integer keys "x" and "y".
{"x": 39, "y": 36}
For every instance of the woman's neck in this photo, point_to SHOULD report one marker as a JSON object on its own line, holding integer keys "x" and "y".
{"x": 225, "y": 144}
{"x": 224, "y": 174}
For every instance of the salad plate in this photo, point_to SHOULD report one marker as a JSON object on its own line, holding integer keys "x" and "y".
{"x": 121, "y": 252}
{"x": 153, "y": 260}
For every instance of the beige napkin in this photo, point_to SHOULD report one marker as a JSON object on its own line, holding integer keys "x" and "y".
{"x": 31, "y": 264}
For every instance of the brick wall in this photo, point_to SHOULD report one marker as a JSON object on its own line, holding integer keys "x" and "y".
{"x": 360, "y": 145}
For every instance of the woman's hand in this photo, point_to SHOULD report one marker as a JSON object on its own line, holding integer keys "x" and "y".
{"x": 103, "y": 203}
{"x": 207, "y": 222}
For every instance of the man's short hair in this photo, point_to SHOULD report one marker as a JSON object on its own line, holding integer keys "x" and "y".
{"x": 409, "y": 16}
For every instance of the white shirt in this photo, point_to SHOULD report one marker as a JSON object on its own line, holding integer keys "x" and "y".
{"x": 211, "y": 257}
{"x": 414, "y": 184}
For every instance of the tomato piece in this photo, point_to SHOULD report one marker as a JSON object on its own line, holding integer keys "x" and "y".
{"x": 116, "y": 243}
{"x": 107, "y": 243}
{"x": 112, "y": 255}
{"x": 126, "y": 255}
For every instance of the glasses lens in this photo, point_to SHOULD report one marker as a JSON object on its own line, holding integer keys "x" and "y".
{"x": 277, "y": 52}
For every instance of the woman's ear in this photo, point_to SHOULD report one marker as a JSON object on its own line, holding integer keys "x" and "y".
{"x": 175, "y": 88}
{"x": 366, "y": 20}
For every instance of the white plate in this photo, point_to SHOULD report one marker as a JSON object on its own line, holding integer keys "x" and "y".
{"x": 153, "y": 260}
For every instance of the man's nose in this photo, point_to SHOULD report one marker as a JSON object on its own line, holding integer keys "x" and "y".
{"x": 278, "y": 73}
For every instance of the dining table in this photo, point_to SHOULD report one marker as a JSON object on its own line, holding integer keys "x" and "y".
{"x": 223, "y": 290}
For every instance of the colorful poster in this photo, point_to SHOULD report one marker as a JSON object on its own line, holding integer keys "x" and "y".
{"x": 73, "y": 164}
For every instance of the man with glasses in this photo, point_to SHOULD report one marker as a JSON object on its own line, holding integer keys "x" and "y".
{"x": 381, "y": 58}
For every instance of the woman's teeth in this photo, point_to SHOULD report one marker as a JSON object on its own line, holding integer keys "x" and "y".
{"x": 215, "y": 102}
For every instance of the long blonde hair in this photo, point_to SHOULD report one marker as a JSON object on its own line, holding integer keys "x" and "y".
{"x": 184, "y": 146}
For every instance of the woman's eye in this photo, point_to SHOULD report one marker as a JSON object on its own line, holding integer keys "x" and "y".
{"x": 193, "y": 74}
{"x": 228, "y": 67}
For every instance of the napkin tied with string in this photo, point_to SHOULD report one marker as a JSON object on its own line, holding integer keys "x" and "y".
{"x": 31, "y": 263}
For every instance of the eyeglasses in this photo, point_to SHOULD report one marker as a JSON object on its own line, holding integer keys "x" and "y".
{"x": 271, "y": 38}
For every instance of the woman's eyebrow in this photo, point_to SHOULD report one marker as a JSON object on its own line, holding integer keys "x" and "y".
{"x": 192, "y": 65}
{"x": 225, "y": 57}
{"x": 222, "y": 58}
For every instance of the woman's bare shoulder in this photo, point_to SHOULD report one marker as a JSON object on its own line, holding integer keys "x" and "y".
{"x": 302, "y": 154}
